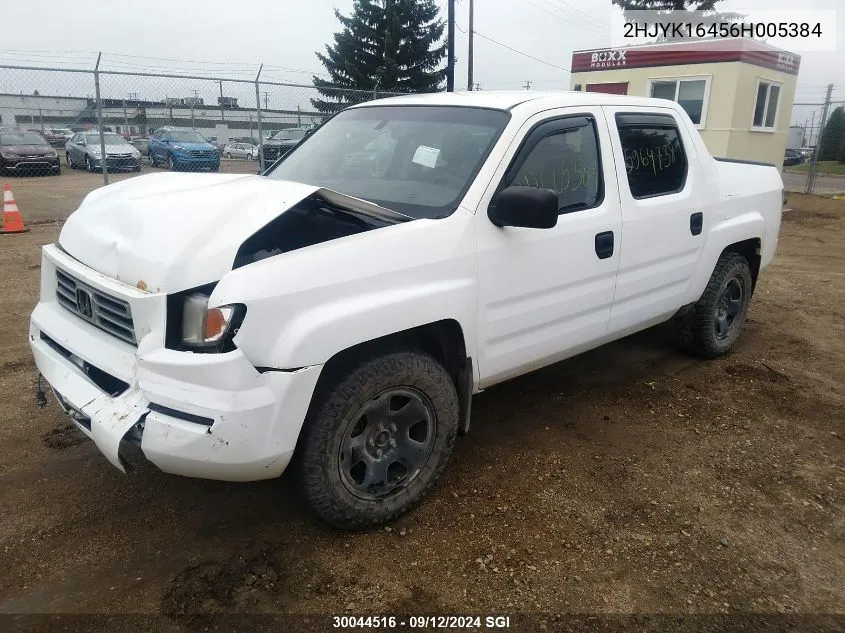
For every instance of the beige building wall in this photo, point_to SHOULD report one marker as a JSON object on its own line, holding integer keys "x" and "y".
{"x": 749, "y": 144}
{"x": 730, "y": 98}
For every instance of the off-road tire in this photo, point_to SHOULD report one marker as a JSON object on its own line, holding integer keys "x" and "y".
{"x": 695, "y": 329}
{"x": 338, "y": 402}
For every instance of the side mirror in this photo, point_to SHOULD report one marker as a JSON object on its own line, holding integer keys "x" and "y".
{"x": 527, "y": 207}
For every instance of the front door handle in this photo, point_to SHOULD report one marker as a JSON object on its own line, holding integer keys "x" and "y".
{"x": 604, "y": 244}
{"x": 696, "y": 223}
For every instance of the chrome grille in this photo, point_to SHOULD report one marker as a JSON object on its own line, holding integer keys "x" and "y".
{"x": 202, "y": 153}
{"x": 107, "y": 313}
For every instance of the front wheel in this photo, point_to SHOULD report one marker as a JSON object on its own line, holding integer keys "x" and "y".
{"x": 171, "y": 164}
{"x": 377, "y": 440}
{"x": 89, "y": 164}
{"x": 228, "y": 156}
{"x": 714, "y": 323}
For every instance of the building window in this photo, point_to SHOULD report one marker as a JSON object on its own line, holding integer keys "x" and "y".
{"x": 766, "y": 106}
{"x": 691, "y": 94}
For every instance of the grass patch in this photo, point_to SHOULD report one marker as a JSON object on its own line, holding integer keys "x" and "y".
{"x": 831, "y": 167}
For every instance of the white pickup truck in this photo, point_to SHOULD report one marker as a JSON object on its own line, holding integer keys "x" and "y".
{"x": 342, "y": 308}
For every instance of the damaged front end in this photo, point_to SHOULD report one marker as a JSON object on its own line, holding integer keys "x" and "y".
{"x": 155, "y": 365}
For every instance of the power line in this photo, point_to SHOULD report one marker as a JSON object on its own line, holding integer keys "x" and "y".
{"x": 519, "y": 52}
{"x": 579, "y": 24}
{"x": 569, "y": 9}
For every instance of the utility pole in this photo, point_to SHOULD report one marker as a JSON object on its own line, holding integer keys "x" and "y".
{"x": 812, "y": 127}
{"x": 811, "y": 181}
{"x": 450, "y": 59}
{"x": 527, "y": 85}
{"x": 469, "y": 52}
{"x": 222, "y": 116}
{"x": 125, "y": 121}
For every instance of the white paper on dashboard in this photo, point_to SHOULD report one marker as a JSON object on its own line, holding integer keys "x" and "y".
{"x": 426, "y": 156}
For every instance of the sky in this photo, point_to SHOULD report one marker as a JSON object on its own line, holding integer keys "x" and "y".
{"x": 222, "y": 37}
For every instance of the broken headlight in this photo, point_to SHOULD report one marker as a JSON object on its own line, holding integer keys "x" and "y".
{"x": 193, "y": 326}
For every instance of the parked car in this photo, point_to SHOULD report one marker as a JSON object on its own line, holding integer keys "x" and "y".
{"x": 142, "y": 145}
{"x": 347, "y": 310}
{"x": 24, "y": 151}
{"x": 241, "y": 150}
{"x": 180, "y": 148}
{"x": 792, "y": 157}
{"x": 282, "y": 142}
{"x": 84, "y": 151}
{"x": 57, "y": 136}
{"x": 219, "y": 144}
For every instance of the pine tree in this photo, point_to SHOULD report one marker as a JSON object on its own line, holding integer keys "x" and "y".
{"x": 833, "y": 135}
{"x": 385, "y": 45}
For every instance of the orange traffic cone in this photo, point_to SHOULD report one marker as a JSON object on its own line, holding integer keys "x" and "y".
{"x": 12, "y": 221}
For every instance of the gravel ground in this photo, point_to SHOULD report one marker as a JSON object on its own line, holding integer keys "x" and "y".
{"x": 631, "y": 479}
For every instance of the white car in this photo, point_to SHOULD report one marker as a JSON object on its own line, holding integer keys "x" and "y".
{"x": 409, "y": 254}
{"x": 247, "y": 151}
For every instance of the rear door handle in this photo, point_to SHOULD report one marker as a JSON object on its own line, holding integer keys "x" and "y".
{"x": 696, "y": 223}
{"x": 604, "y": 244}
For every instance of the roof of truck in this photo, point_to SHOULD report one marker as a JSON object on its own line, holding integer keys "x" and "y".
{"x": 506, "y": 100}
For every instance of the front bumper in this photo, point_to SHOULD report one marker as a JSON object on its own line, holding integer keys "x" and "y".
{"x": 29, "y": 163}
{"x": 115, "y": 163}
{"x": 202, "y": 415}
{"x": 196, "y": 162}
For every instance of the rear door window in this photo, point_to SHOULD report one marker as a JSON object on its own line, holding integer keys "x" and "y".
{"x": 655, "y": 160}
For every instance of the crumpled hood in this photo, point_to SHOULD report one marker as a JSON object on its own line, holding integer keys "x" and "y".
{"x": 169, "y": 232}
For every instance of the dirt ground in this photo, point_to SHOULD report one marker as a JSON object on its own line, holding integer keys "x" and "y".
{"x": 631, "y": 479}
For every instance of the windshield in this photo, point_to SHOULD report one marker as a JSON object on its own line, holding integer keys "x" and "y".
{"x": 288, "y": 135}
{"x": 110, "y": 139}
{"x": 21, "y": 138}
{"x": 418, "y": 160}
{"x": 186, "y": 136}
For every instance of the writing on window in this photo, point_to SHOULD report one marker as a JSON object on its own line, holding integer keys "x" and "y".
{"x": 567, "y": 162}
{"x": 688, "y": 93}
{"x": 766, "y": 105}
{"x": 655, "y": 162}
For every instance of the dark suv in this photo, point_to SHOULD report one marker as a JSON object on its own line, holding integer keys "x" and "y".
{"x": 22, "y": 150}
{"x": 282, "y": 142}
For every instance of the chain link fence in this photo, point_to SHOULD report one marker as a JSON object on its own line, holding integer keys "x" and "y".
{"x": 49, "y": 119}
{"x": 807, "y": 168}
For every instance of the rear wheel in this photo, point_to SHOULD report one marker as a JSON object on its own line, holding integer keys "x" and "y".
{"x": 228, "y": 156}
{"x": 69, "y": 161}
{"x": 377, "y": 440}
{"x": 714, "y": 323}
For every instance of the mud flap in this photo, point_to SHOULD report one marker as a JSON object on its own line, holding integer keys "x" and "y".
{"x": 111, "y": 418}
